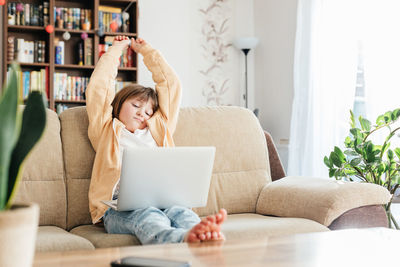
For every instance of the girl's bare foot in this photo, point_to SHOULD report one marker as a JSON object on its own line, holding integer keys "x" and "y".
{"x": 209, "y": 229}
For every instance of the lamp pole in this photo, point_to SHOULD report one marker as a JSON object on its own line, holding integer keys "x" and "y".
{"x": 246, "y": 51}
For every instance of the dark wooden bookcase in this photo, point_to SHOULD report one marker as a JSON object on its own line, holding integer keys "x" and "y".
{"x": 71, "y": 66}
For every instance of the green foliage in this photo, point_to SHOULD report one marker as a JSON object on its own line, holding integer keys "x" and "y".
{"x": 365, "y": 161}
{"x": 19, "y": 132}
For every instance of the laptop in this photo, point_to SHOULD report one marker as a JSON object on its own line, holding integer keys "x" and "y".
{"x": 164, "y": 177}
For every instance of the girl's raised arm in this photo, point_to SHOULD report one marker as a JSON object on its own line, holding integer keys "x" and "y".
{"x": 100, "y": 91}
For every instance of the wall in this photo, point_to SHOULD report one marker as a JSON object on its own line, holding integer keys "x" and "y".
{"x": 275, "y": 26}
{"x": 175, "y": 27}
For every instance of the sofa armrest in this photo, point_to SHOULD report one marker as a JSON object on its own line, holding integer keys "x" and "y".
{"x": 319, "y": 199}
{"x": 361, "y": 217}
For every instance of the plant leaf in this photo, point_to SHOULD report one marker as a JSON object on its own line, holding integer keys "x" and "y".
{"x": 397, "y": 151}
{"x": 33, "y": 124}
{"x": 354, "y": 162}
{"x": 340, "y": 154}
{"x": 335, "y": 159}
{"x": 9, "y": 123}
{"x": 327, "y": 162}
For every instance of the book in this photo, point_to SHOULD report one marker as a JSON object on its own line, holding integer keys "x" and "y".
{"x": 88, "y": 51}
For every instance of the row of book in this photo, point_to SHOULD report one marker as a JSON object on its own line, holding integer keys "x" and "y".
{"x": 113, "y": 14}
{"x": 127, "y": 58}
{"x": 25, "y": 51}
{"x": 28, "y": 14}
{"x": 72, "y": 18}
{"x": 85, "y": 52}
{"x": 69, "y": 87}
{"x": 32, "y": 81}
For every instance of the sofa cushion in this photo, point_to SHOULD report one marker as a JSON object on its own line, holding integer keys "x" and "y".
{"x": 319, "y": 199}
{"x": 43, "y": 177}
{"x": 100, "y": 239}
{"x": 250, "y": 225}
{"x": 52, "y": 238}
{"x": 79, "y": 157}
{"x": 237, "y": 226}
{"x": 241, "y": 166}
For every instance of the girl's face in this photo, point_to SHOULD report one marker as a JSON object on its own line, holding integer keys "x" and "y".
{"x": 135, "y": 113}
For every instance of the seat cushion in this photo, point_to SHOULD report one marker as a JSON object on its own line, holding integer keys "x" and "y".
{"x": 100, "y": 239}
{"x": 246, "y": 225}
{"x": 53, "y": 238}
{"x": 250, "y": 225}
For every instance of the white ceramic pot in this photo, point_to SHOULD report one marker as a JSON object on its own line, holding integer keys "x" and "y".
{"x": 18, "y": 229}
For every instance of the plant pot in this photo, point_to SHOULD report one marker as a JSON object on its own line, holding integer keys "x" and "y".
{"x": 18, "y": 229}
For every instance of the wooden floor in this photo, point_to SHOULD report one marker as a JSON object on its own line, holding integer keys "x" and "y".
{"x": 368, "y": 247}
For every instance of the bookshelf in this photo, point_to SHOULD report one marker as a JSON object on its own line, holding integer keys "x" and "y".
{"x": 82, "y": 43}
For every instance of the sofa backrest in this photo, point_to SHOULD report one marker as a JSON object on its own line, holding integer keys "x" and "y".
{"x": 78, "y": 162}
{"x": 43, "y": 177}
{"x": 241, "y": 166}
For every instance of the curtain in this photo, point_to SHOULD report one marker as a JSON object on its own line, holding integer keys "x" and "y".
{"x": 325, "y": 68}
{"x": 380, "y": 37}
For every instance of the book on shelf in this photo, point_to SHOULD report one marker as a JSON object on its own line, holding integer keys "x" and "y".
{"x": 88, "y": 51}
{"x": 28, "y": 14}
{"x": 59, "y": 55}
{"x": 72, "y": 18}
{"x": 25, "y": 51}
{"x": 70, "y": 88}
{"x": 109, "y": 14}
{"x": 32, "y": 81}
{"x": 127, "y": 57}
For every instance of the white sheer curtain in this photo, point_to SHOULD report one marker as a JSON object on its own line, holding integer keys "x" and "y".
{"x": 324, "y": 83}
{"x": 380, "y": 37}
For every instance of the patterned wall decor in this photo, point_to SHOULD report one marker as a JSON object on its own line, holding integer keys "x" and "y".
{"x": 215, "y": 47}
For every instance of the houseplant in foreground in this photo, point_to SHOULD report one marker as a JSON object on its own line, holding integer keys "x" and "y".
{"x": 20, "y": 130}
{"x": 365, "y": 161}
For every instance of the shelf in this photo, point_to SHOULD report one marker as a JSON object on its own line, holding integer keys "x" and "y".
{"x": 127, "y": 68}
{"x": 26, "y": 28}
{"x": 73, "y": 66}
{"x": 89, "y": 32}
{"x": 121, "y": 33}
{"x": 111, "y": 2}
{"x": 70, "y": 101}
{"x": 31, "y": 64}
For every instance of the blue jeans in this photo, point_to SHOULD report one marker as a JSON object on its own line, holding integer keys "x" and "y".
{"x": 152, "y": 225}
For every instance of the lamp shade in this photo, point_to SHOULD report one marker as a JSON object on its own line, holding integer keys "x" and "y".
{"x": 245, "y": 42}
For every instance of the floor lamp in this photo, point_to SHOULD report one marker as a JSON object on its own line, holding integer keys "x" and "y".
{"x": 246, "y": 44}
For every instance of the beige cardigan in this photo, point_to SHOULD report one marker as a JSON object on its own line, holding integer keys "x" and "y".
{"x": 104, "y": 131}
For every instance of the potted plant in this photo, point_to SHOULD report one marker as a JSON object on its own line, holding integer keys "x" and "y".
{"x": 20, "y": 130}
{"x": 364, "y": 161}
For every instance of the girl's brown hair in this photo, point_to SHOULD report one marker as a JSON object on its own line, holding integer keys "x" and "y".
{"x": 136, "y": 91}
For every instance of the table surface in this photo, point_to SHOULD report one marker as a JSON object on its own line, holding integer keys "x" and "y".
{"x": 355, "y": 247}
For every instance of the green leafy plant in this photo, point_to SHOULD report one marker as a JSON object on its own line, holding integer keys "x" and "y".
{"x": 19, "y": 132}
{"x": 366, "y": 162}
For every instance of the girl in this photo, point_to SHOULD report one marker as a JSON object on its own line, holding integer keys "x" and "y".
{"x": 137, "y": 116}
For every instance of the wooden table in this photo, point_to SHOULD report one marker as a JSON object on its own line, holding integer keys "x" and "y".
{"x": 367, "y": 247}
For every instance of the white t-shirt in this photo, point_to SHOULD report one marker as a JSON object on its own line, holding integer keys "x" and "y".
{"x": 139, "y": 138}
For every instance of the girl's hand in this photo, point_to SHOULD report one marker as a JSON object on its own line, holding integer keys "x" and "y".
{"x": 137, "y": 44}
{"x": 120, "y": 39}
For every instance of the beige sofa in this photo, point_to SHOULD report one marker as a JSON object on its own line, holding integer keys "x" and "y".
{"x": 57, "y": 177}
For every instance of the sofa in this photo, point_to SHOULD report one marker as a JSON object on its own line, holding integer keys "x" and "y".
{"x": 248, "y": 181}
